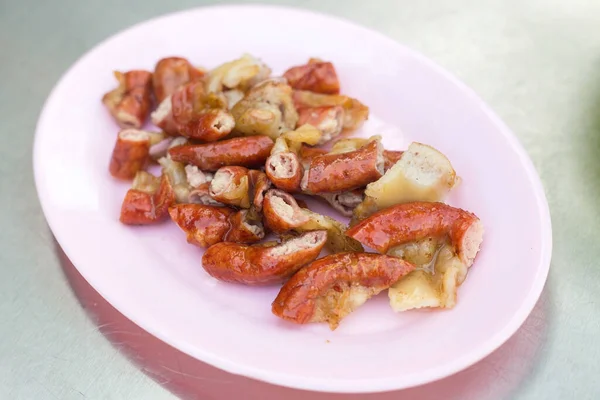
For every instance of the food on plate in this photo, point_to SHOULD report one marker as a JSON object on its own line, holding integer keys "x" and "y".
{"x": 200, "y": 115}
{"x": 332, "y": 287}
{"x": 283, "y": 167}
{"x": 337, "y": 241}
{"x": 329, "y": 120}
{"x": 266, "y": 109}
{"x": 231, "y": 186}
{"x": 355, "y": 113}
{"x": 249, "y": 152}
{"x": 436, "y": 281}
{"x": 131, "y": 153}
{"x": 330, "y": 173}
{"x": 317, "y": 76}
{"x": 195, "y": 114}
{"x": 233, "y": 97}
{"x": 207, "y": 225}
{"x": 192, "y": 112}
{"x": 178, "y": 177}
{"x": 237, "y": 144}
{"x": 159, "y": 148}
{"x": 285, "y": 171}
{"x": 345, "y": 202}
{"x": 241, "y": 74}
{"x": 162, "y": 117}
{"x": 307, "y": 153}
{"x": 259, "y": 185}
{"x": 350, "y": 144}
{"x": 442, "y": 240}
{"x": 130, "y": 102}
{"x": 408, "y": 222}
{"x": 421, "y": 174}
{"x": 196, "y": 177}
{"x": 303, "y": 134}
{"x": 282, "y": 213}
{"x": 148, "y": 200}
{"x": 201, "y": 195}
{"x": 259, "y": 265}
{"x": 391, "y": 157}
{"x": 171, "y": 73}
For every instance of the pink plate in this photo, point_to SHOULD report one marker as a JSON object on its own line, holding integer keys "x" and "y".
{"x": 154, "y": 277}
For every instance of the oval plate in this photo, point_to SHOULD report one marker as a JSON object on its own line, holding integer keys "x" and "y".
{"x": 155, "y": 278}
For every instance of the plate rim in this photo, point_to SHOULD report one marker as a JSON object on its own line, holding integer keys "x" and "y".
{"x": 326, "y": 384}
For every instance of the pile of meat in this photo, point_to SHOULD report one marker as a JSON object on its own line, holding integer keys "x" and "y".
{"x": 236, "y": 145}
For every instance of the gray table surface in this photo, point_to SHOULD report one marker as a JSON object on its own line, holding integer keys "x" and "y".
{"x": 536, "y": 62}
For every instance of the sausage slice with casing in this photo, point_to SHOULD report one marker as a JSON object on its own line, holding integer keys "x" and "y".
{"x": 410, "y": 222}
{"x": 257, "y": 265}
{"x": 242, "y": 151}
{"x": 332, "y": 287}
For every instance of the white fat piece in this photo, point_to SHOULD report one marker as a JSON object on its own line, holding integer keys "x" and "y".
{"x": 421, "y": 174}
{"x": 162, "y": 111}
{"x": 196, "y": 177}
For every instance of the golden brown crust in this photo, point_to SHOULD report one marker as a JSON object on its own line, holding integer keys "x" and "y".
{"x": 143, "y": 208}
{"x": 243, "y": 151}
{"x": 298, "y": 299}
{"x": 345, "y": 171}
{"x": 316, "y": 76}
{"x": 130, "y": 102}
{"x": 409, "y": 222}
{"x": 171, "y": 73}
{"x": 257, "y": 265}
{"x": 203, "y": 225}
{"x": 208, "y": 225}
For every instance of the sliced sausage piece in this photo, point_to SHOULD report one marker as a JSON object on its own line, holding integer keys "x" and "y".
{"x": 346, "y": 171}
{"x": 332, "y": 287}
{"x": 259, "y": 185}
{"x": 171, "y": 73}
{"x": 208, "y": 225}
{"x": 316, "y": 76}
{"x": 355, "y": 113}
{"x": 281, "y": 212}
{"x": 247, "y": 152}
{"x": 231, "y": 186}
{"x": 285, "y": 171}
{"x": 257, "y": 265}
{"x": 148, "y": 200}
{"x": 131, "y": 153}
{"x": 410, "y": 222}
{"x": 329, "y": 120}
{"x": 130, "y": 102}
